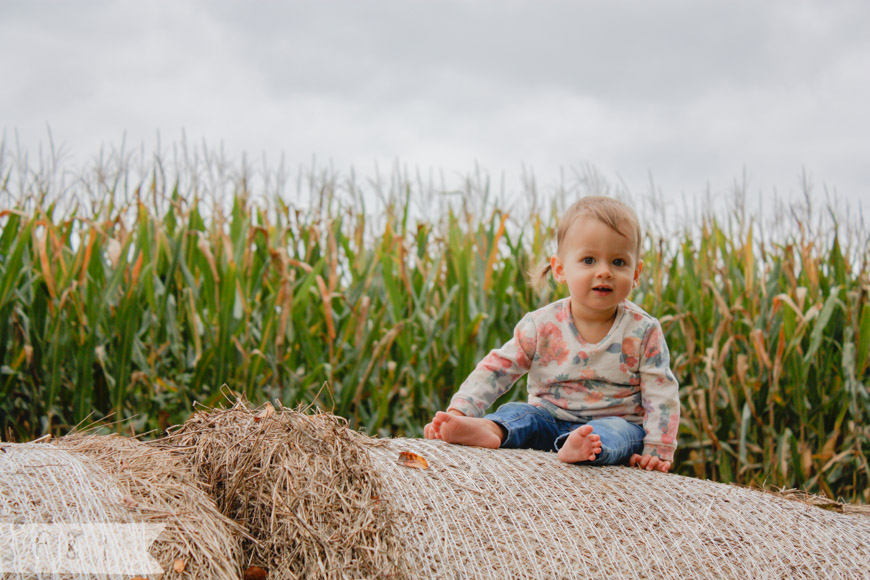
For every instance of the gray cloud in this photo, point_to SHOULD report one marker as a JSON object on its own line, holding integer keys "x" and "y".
{"x": 692, "y": 92}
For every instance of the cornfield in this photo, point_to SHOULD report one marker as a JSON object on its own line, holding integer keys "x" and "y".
{"x": 129, "y": 292}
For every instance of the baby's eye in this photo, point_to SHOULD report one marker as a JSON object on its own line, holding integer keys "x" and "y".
{"x": 619, "y": 262}
{"x": 589, "y": 260}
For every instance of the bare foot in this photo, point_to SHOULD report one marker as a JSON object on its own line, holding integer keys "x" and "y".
{"x": 581, "y": 445}
{"x": 472, "y": 431}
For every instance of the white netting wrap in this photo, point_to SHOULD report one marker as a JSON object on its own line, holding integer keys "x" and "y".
{"x": 102, "y": 501}
{"x": 43, "y": 484}
{"x": 45, "y": 493}
{"x": 479, "y": 513}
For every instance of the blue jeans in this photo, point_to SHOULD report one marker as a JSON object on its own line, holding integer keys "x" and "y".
{"x": 531, "y": 427}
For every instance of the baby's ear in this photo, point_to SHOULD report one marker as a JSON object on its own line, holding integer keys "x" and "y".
{"x": 637, "y": 271}
{"x": 557, "y": 269}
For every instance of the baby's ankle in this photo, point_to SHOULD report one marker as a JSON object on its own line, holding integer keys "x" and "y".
{"x": 500, "y": 431}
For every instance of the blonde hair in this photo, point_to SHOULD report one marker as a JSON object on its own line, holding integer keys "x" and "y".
{"x": 609, "y": 211}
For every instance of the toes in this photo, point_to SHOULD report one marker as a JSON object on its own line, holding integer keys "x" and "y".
{"x": 441, "y": 417}
{"x": 585, "y": 430}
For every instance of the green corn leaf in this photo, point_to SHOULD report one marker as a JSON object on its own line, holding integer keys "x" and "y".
{"x": 863, "y": 340}
{"x": 821, "y": 323}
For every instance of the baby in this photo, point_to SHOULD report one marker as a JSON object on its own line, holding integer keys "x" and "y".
{"x": 601, "y": 391}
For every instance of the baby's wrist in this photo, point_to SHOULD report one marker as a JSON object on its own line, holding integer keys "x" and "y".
{"x": 663, "y": 452}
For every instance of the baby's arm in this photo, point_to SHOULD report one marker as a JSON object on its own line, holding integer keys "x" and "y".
{"x": 661, "y": 403}
{"x": 492, "y": 377}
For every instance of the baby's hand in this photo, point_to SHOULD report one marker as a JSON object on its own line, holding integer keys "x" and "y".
{"x": 649, "y": 462}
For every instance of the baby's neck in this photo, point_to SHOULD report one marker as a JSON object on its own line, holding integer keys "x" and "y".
{"x": 593, "y": 329}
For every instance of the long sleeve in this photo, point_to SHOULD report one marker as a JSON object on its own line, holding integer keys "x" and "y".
{"x": 498, "y": 371}
{"x": 660, "y": 396}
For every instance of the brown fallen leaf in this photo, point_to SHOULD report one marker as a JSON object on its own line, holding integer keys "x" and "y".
{"x": 409, "y": 459}
{"x": 267, "y": 411}
{"x": 179, "y": 565}
{"x": 254, "y": 573}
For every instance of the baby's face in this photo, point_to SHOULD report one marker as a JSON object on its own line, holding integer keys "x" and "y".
{"x": 599, "y": 266}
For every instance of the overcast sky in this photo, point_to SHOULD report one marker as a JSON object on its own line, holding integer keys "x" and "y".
{"x": 691, "y": 92}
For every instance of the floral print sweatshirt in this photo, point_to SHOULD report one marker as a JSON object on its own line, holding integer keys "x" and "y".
{"x": 625, "y": 375}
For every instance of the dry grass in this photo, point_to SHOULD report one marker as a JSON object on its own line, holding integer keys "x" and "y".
{"x": 113, "y": 479}
{"x": 824, "y": 503}
{"x": 157, "y": 489}
{"x": 302, "y": 486}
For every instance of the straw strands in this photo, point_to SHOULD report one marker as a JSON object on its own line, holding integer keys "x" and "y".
{"x": 111, "y": 479}
{"x": 302, "y": 485}
{"x": 156, "y": 488}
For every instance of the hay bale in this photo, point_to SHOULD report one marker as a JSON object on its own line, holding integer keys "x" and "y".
{"x": 325, "y": 502}
{"x": 157, "y": 488}
{"x": 302, "y": 486}
{"x": 480, "y": 513}
{"x": 40, "y": 484}
{"x": 109, "y": 479}
{"x": 823, "y": 502}
{"x": 312, "y": 499}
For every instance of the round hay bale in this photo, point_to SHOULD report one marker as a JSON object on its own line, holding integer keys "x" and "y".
{"x": 481, "y": 513}
{"x": 302, "y": 486}
{"x": 40, "y": 483}
{"x": 156, "y": 487}
{"x": 91, "y": 479}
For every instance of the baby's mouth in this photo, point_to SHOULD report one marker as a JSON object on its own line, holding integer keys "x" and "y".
{"x": 602, "y": 289}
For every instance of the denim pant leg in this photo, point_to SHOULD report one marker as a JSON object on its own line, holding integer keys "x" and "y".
{"x": 527, "y": 426}
{"x": 619, "y": 440}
